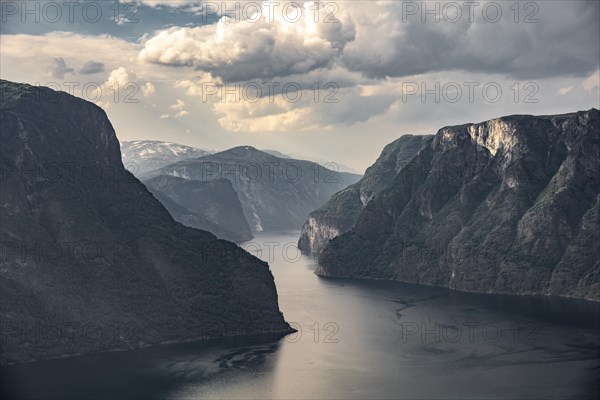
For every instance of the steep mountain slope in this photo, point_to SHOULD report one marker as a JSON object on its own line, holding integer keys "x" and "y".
{"x": 140, "y": 156}
{"x": 91, "y": 261}
{"x": 212, "y": 205}
{"x": 276, "y": 193}
{"x": 506, "y": 206}
{"x": 340, "y": 213}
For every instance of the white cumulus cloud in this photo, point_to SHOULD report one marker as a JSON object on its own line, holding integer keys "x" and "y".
{"x": 277, "y": 44}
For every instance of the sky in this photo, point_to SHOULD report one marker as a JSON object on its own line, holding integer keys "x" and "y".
{"x": 333, "y": 80}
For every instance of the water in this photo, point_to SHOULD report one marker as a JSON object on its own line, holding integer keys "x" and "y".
{"x": 357, "y": 339}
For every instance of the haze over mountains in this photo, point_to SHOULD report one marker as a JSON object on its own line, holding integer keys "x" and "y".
{"x": 161, "y": 166}
{"x": 275, "y": 193}
{"x": 141, "y": 156}
{"x": 88, "y": 250}
{"x": 509, "y": 205}
{"x": 327, "y": 163}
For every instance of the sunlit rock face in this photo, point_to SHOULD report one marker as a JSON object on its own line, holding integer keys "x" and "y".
{"x": 90, "y": 260}
{"x": 509, "y": 205}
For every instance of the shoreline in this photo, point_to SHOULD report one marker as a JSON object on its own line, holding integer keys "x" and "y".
{"x": 320, "y": 273}
{"x": 273, "y": 337}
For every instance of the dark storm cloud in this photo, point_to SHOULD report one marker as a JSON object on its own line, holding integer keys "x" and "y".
{"x": 58, "y": 68}
{"x": 560, "y": 38}
{"x": 91, "y": 67}
{"x": 378, "y": 40}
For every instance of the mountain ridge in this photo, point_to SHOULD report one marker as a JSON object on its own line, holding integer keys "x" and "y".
{"x": 88, "y": 250}
{"x": 276, "y": 193}
{"x": 509, "y": 205}
{"x": 340, "y": 213}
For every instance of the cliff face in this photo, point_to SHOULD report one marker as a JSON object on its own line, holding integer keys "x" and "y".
{"x": 90, "y": 260}
{"x": 275, "y": 193}
{"x": 340, "y": 213}
{"x": 212, "y": 205}
{"x": 510, "y": 205}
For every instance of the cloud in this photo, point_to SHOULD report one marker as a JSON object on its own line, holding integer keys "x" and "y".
{"x": 593, "y": 81}
{"x": 368, "y": 55}
{"x": 391, "y": 43}
{"x": 168, "y": 3}
{"x": 120, "y": 76}
{"x": 302, "y": 110}
{"x": 33, "y": 51}
{"x": 565, "y": 90}
{"x": 92, "y": 67}
{"x": 245, "y": 50}
{"x": 58, "y": 68}
{"x": 380, "y": 40}
{"x": 179, "y": 106}
{"x": 148, "y": 89}
{"x": 126, "y": 82}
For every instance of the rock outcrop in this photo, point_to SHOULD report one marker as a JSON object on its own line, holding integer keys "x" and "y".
{"x": 509, "y": 205}
{"x": 90, "y": 260}
{"x": 340, "y": 213}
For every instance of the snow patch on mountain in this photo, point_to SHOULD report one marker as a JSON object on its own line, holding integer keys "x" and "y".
{"x": 140, "y": 156}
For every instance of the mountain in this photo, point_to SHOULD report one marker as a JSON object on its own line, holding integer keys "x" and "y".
{"x": 276, "y": 193}
{"x": 141, "y": 156}
{"x": 276, "y": 153}
{"x": 340, "y": 213}
{"x": 194, "y": 204}
{"x": 91, "y": 261}
{"x": 327, "y": 163}
{"x": 212, "y": 205}
{"x": 510, "y": 205}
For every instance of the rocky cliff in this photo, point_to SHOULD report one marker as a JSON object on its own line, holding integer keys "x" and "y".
{"x": 340, "y": 213}
{"x": 90, "y": 260}
{"x": 509, "y": 205}
{"x": 212, "y": 205}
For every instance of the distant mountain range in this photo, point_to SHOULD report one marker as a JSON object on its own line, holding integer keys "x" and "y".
{"x": 275, "y": 193}
{"x": 510, "y": 205}
{"x": 140, "y": 156}
{"x": 260, "y": 201}
{"x": 92, "y": 258}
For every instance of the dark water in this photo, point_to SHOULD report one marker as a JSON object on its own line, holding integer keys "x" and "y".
{"x": 357, "y": 339}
